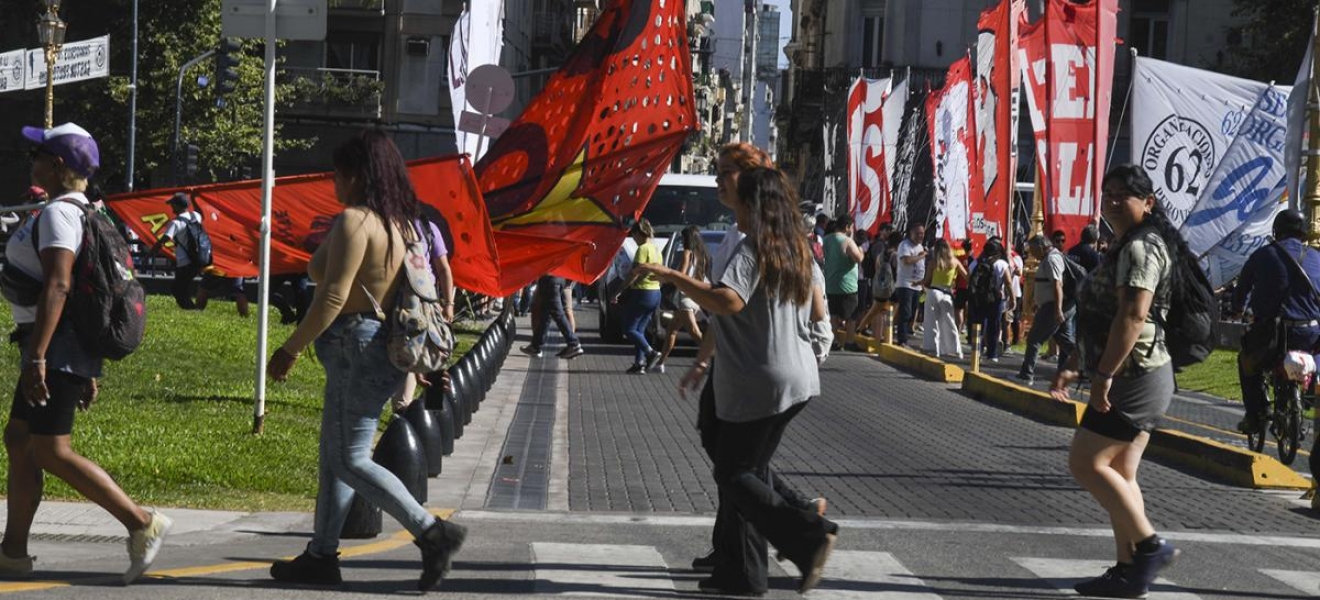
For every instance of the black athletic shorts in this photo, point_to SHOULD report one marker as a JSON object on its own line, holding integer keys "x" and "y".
{"x": 1109, "y": 424}
{"x": 56, "y": 417}
{"x": 842, "y": 306}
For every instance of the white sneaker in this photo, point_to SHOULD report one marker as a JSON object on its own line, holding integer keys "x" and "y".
{"x": 16, "y": 567}
{"x": 660, "y": 368}
{"x": 143, "y": 544}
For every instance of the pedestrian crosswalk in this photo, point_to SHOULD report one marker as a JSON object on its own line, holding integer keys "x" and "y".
{"x": 636, "y": 571}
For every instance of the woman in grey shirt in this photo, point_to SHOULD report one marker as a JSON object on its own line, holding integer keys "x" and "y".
{"x": 763, "y": 306}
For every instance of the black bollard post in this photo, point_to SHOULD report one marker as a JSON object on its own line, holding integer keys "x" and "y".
{"x": 363, "y": 521}
{"x": 458, "y": 381}
{"x": 443, "y": 413}
{"x": 400, "y": 452}
{"x": 455, "y": 413}
{"x": 424, "y": 424}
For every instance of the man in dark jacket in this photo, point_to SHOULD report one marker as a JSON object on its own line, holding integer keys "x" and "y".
{"x": 1280, "y": 297}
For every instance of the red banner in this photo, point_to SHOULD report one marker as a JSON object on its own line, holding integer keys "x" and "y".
{"x": 302, "y": 209}
{"x": 996, "y": 98}
{"x": 959, "y": 201}
{"x": 583, "y": 159}
{"x": 1069, "y": 71}
{"x": 868, "y": 183}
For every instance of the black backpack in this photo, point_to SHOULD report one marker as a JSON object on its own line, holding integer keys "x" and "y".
{"x": 1189, "y": 328}
{"x": 1073, "y": 276}
{"x": 199, "y": 243}
{"x": 107, "y": 306}
{"x": 987, "y": 290}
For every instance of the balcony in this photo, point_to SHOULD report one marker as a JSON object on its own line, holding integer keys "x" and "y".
{"x": 334, "y": 93}
{"x": 376, "y": 6}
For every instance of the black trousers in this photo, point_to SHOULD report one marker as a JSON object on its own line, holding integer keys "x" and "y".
{"x": 181, "y": 289}
{"x": 753, "y": 511}
{"x": 550, "y": 297}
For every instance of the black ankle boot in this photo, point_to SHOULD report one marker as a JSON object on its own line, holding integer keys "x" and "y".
{"x": 439, "y": 544}
{"x": 308, "y": 569}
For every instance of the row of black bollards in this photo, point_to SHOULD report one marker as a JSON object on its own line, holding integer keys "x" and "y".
{"x": 415, "y": 443}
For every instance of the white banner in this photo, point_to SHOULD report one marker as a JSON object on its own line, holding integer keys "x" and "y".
{"x": 953, "y": 132}
{"x": 868, "y": 192}
{"x": 1237, "y": 208}
{"x": 78, "y": 61}
{"x": 478, "y": 40}
{"x": 1183, "y": 120}
{"x": 895, "y": 104}
{"x": 12, "y": 70}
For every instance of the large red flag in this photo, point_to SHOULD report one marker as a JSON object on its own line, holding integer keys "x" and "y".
{"x": 1069, "y": 72}
{"x": 868, "y": 185}
{"x": 583, "y": 159}
{"x": 997, "y": 84}
{"x": 959, "y": 203}
{"x": 302, "y": 210}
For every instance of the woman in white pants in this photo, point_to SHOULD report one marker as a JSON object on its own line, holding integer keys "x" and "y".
{"x": 940, "y": 334}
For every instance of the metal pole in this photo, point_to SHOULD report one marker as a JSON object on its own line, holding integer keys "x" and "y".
{"x": 52, "y": 53}
{"x": 267, "y": 188}
{"x": 132, "y": 102}
{"x": 178, "y": 111}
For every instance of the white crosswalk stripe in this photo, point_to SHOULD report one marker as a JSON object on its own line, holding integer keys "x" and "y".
{"x": 1304, "y": 581}
{"x": 599, "y": 570}
{"x": 855, "y": 575}
{"x": 1063, "y": 573}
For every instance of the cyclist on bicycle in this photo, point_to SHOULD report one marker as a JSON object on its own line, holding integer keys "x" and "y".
{"x": 1282, "y": 298}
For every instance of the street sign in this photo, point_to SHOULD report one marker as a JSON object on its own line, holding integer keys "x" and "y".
{"x": 12, "y": 73}
{"x": 489, "y": 89}
{"x": 294, "y": 19}
{"x": 78, "y": 61}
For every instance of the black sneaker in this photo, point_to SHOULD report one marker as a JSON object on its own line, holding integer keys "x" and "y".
{"x": 1114, "y": 583}
{"x": 530, "y": 350}
{"x": 307, "y": 569}
{"x": 1146, "y": 566}
{"x": 814, "y": 569}
{"x": 571, "y": 352}
{"x": 1023, "y": 377}
{"x": 636, "y": 370}
{"x": 652, "y": 359}
{"x": 704, "y": 564}
{"x": 439, "y": 544}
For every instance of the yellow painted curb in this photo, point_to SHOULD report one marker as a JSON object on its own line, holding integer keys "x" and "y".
{"x": 1230, "y": 464}
{"x": 923, "y": 366}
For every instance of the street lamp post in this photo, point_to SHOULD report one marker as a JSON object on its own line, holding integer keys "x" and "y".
{"x": 50, "y": 32}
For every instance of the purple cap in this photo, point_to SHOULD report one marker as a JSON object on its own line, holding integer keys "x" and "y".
{"x": 69, "y": 142}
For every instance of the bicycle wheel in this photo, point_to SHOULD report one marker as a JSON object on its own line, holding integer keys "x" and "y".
{"x": 1288, "y": 431}
{"x": 1256, "y": 438}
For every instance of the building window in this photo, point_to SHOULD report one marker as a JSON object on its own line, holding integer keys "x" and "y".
{"x": 355, "y": 53}
{"x": 1149, "y": 28}
{"x": 873, "y": 31}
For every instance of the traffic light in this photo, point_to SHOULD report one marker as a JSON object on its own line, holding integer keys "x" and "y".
{"x": 190, "y": 160}
{"x": 226, "y": 66}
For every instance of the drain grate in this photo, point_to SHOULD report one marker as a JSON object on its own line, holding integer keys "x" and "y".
{"x": 522, "y": 478}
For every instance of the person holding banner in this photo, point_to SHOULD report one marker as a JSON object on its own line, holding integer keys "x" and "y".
{"x": 1121, "y": 346}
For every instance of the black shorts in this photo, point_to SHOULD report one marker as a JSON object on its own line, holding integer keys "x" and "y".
{"x": 1110, "y": 424}
{"x": 56, "y": 417}
{"x": 214, "y": 284}
{"x": 961, "y": 297}
{"x": 842, "y": 306}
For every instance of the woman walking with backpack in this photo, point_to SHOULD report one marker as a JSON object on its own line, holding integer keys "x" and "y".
{"x": 361, "y": 261}
{"x": 58, "y": 375}
{"x": 1121, "y": 346}
{"x": 990, "y": 282}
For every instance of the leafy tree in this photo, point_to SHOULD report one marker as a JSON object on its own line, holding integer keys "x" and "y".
{"x": 1273, "y": 38}
{"x": 170, "y": 33}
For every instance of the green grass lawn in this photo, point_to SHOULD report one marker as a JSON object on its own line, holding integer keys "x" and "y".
{"x": 1217, "y": 376}
{"x": 173, "y": 423}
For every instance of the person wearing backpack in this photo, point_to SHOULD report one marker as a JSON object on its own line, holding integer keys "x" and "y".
{"x": 1121, "y": 343}
{"x": 186, "y": 266}
{"x": 1285, "y": 310}
{"x": 362, "y": 260}
{"x": 990, "y": 283}
{"x": 1054, "y": 316}
{"x": 59, "y": 370}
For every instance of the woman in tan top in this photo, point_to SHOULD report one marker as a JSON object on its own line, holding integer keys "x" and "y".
{"x": 362, "y": 255}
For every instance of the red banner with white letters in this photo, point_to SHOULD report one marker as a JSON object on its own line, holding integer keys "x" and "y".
{"x": 952, "y": 121}
{"x": 868, "y": 184}
{"x": 996, "y": 85}
{"x": 1068, "y": 69}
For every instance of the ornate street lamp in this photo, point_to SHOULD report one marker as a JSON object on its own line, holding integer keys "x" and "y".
{"x": 50, "y": 32}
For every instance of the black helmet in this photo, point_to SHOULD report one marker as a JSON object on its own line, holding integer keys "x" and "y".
{"x": 1289, "y": 224}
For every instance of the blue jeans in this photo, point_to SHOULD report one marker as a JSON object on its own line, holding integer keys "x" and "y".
{"x": 991, "y": 319}
{"x": 637, "y": 315}
{"x": 359, "y": 380}
{"x": 908, "y": 300}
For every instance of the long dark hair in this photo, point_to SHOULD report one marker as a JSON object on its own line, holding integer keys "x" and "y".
{"x": 693, "y": 243}
{"x": 777, "y": 233}
{"x": 1134, "y": 181}
{"x": 387, "y": 190}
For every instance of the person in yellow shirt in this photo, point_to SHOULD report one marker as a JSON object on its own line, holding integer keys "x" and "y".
{"x": 643, "y": 298}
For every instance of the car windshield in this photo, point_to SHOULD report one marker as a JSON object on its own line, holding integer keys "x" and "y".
{"x": 680, "y": 205}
